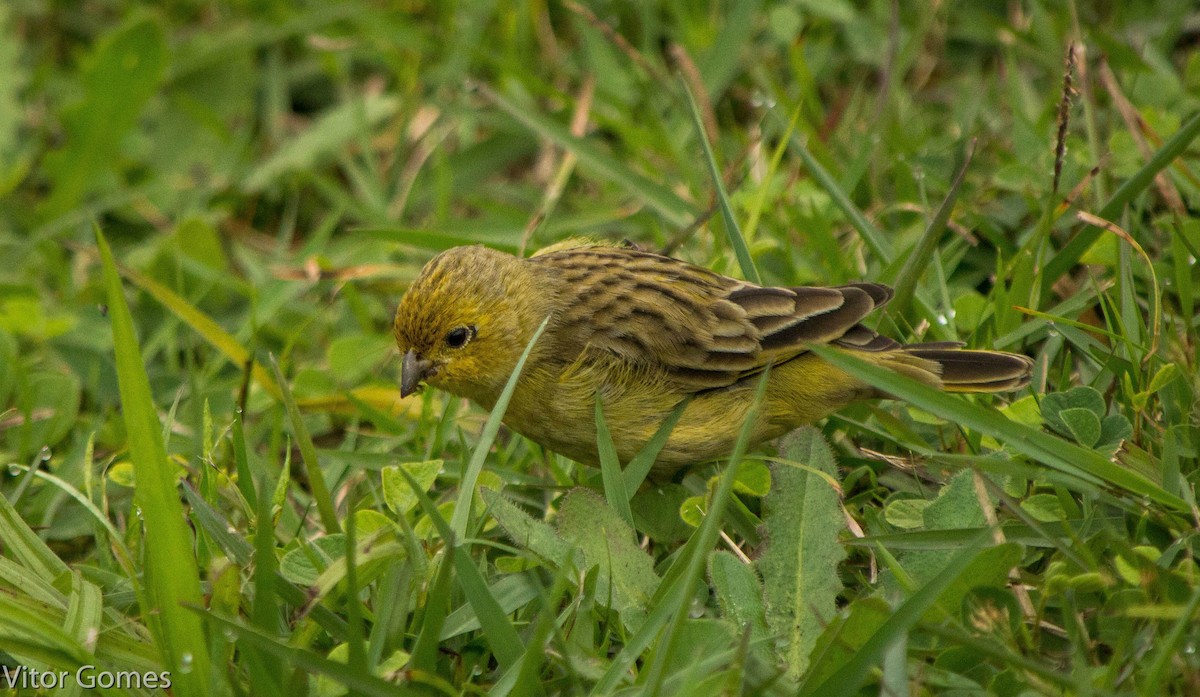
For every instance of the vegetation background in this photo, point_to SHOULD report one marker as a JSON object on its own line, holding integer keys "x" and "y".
{"x": 271, "y": 175}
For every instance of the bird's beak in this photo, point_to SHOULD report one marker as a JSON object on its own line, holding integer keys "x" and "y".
{"x": 413, "y": 370}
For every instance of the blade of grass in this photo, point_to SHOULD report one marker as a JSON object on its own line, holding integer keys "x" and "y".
{"x": 1050, "y": 450}
{"x": 673, "y": 208}
{"x": 355, "y": 630}
{"x": 704, "y": 540}
{"x": 358, "y": 682}
{"x": 466, "y": 488}
{"x": 245, "y": 480}
{"x": 503, "y": 639}
{"x": 218, "y": 528}
{"x": 610, "y": 467}
{"x": 437, "y": 606}
{"x": 523, "y": 680}
{"x": 870, "y": 234}
{"x": 170, "y": 561}
{"x": 1169, "y": 648}
{"x": 308, "y": 453}
{"x": 23, "y": 544}
{"x": 120, "y": 550}
{"x": 917, "y": 260}
{"x": 740, "y": 250}
{"x": 639, "y": 467}
{"x": 678, "y": 586}
{"x": 1003, "y": 655}
{"x": 1069, "y": 255}
{"x": 203, "y": 325}
{"x": 849, "y": 678}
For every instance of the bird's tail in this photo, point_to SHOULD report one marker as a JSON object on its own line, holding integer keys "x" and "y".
{"x": 955, "y": 369}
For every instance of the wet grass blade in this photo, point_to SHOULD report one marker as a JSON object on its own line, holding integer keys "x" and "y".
{"x": 173, "y": 578}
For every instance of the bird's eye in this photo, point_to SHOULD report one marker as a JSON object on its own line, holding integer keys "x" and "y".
{"x": 459, "y": 336}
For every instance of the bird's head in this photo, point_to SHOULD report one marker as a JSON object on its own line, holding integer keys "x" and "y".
{"x": 464, "y": 321}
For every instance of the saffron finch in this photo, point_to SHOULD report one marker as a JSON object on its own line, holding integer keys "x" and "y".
{"x": 646, "y": 332}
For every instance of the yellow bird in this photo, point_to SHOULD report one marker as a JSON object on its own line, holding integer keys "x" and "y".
{"x": 646, "y": 332}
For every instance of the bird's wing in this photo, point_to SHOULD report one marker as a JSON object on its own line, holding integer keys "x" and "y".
{"x": 701, "y": 329}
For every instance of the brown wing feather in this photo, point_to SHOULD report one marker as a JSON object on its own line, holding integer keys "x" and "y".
{"x": 702, "y": 329}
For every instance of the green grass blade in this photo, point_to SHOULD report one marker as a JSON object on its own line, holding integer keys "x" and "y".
{"x": 1169, "y": 648}
{"x": 870, "y": 234}
{"x": 680, "y": 581}
{"x": 847, "y": 680}
{"x": 466, "y": 490}
{"x": 639, "y": 467}
{"x": 203, "y": 325}
{"x": 503, "y": 639}
{"x": 916, "y": 262}
{"x": 610, "y": 467}
{"x": 666, "y": 202}
{"x": 245, "y": 480}
{"x": 23, "y": 544}
{"x": 736, "y": 240}
{"x": 218, "y": 528}
{"x": 173, "y": 578}
{"x": 1050, "y": 450}
{"x": 1068, "y": 256}
{"x": 355, "y": 630}
{"x": 359, "y": 683}
{"x": 123, "y": 557}
{"x": 308, "y": 453}
{"x": 437, "y": 607}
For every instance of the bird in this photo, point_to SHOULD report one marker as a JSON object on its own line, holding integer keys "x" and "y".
{"x": 642, "y": 333}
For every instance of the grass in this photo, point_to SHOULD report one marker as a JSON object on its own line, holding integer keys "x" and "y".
{"x": 208, "y": 215}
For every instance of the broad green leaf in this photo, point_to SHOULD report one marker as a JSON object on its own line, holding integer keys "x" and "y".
{"x": 305, "y": 564}
{"x": 848, "y": 678}
{"x": 1045, "y": 508}
{"x": 955, "y": 508}
{"x": 908, "y": 514}
{"x": 753, "y": 478}
{"x": 739, "y": 592}
{"x": 989, "y": 569}
{"x": 656, "y": 512}
{"x": 802, "y": 519}
{"x": 390, "y": 669}
{"x": 1114, "y": 428}
{"x": 586, "y": 521}
{"x": 397, "y": 494}
{"x": 534, "y": 535}
{"x": 1081, "y": 424}
{"x": 121, "y": 474}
